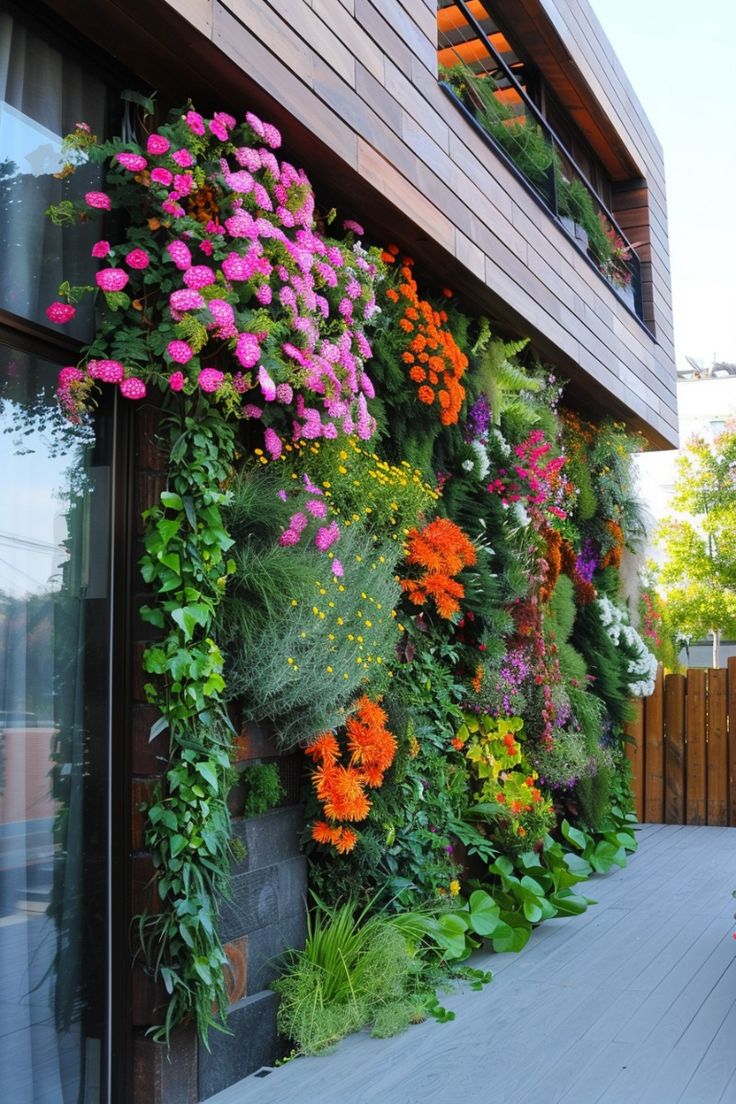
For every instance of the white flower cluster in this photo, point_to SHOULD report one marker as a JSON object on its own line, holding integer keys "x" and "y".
{"x": 481, "y": 464}
{"x": 643, "y": 667}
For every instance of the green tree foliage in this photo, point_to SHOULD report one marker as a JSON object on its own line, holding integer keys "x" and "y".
{"x": 699, "y": 573}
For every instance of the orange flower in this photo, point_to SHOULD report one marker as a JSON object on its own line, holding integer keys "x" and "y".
{"x": 408, "y": 358}
{"x": 324, "y": 749}
{"x": 447, "y": 292}
{"x": 417, "y": 374}
{"x": 392, "y": 295}
{"x": 457, "y": 743}
{"x": 323, "y": 832}
{"x": 406, "y": 325}
{"x": 372, "y": 745}
{"x": 346, "y": 840}
{"x": 426, "y": 395}
{"x": 442, "y": 550}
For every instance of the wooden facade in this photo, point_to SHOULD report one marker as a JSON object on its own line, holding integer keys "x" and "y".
{"x": 353, "y": 84}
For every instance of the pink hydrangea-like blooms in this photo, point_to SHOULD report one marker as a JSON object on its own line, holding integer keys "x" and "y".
{"x": 183, "y": 158}
{"x": 219, "y": 130}
{"x": 184, "y": 299}
{"x": 262, "y": 198}
{"x": 206, "y": 247}
{"x": 180, "y": 255}
{"x": 60, "y": 313}
{"x": 70, "y": 374}
{"x": 366, "y": 386}
{"x": 317, "y": 507}
{"x": 195, "y": 122}
{"x": 171, "y": 207}
{"x": 176, "y": 381}
{"x": 109, "y": 371}
{"x": 289, "y": 537}
{"x": 264, "y": 295}
{"x": 248, "y": 158}
{"x": 326, "y": 536}
{"x": 161, "y": 176}
{"x": 271, "y": 135}
{"x": 180, "y": 352}
{"x": 284, "y": 393}
{"x": 137, "y": 258}
{"x": 337, "y": 569}
{"x": 355, "y": 227}
{"x": 199, "y": 276}
{"x": 241, "y": 226}
{"x": 273, "y": 443}
{"x": 183, "y": 184}
{"x": 99, "y": 200}
{"x": 133, "y": 162}
{"x": 366, "y": 424}
{"x": 298, "y": 522}
{"x": 101, "y": 249}
{"x": 250, "y": 410}
{"x": 111, "y": 279}
{"x": 312, "y": 488}
{"x": 248, "y": 351}
{"x": 268, "y": 387}
{"x": 133, "y": 388}
{"x": 255, "y": 124}
{"x": 157, "y": 144}
{"x": 236, "y": 267}
{"x": 240, "y": 182}
{"x": 224, "y": 319}
{"x": 211, "y": 380}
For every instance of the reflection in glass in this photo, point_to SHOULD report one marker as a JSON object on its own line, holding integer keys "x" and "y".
{"x": 43, "y": 93}
{"x": 54, "y": 620}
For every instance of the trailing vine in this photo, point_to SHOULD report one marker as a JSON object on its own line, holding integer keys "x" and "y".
{"x": 188, "y": 826}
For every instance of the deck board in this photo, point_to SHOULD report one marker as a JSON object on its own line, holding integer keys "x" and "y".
{"x": 635, "y": 1002}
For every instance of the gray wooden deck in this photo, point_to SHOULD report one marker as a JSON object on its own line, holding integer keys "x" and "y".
{"x": 632, "y": 1003}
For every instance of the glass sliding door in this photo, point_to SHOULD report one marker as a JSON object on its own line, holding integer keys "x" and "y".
{"x": 54, "y": 742}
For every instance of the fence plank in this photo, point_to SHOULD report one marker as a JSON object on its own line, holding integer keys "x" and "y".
{"x": 654, "y": 755}
{"x": 674, "y": 711}
{"x": 717, "y": 748}
{"x": 635, "y": 754}
{"x": 732, "y": 740}
{"x": 695, "y": 746}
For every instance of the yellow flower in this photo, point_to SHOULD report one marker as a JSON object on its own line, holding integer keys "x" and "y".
{"x": 329, "y": 670}
{"x": 454, "y": 887}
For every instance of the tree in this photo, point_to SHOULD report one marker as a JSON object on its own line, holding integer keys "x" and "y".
{"x": 698, "y": 577}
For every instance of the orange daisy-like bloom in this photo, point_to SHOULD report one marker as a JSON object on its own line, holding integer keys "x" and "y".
{"x": 344, "y": 795}
{"x": 426, "y": 395}
{"x": 442, "y": 550}
{"x": 324, "y": 833}
{"x": 346, "y": 841}
{"x": 417, "y": 374}
{"x": 325, "y": 749}
{"x": 372, "y": 746}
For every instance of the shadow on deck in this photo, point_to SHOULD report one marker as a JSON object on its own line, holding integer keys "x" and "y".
{"x": 632, "y": 1003}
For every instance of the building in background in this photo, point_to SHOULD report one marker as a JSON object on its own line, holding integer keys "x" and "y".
{"x": 357, "y": 90}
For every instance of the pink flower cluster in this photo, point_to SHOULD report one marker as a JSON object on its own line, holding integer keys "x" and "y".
{"x": 283, "y": 309}
{"x": 534, "y": 480}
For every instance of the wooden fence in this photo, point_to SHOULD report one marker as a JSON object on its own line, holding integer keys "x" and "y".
{"x": 684, "y": 749}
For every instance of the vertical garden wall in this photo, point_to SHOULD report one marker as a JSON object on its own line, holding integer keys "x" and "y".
{"x": 384, "y": 538}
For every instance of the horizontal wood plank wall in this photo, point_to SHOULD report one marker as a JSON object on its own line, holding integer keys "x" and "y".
{"x": 361, "y": 76}
{"x": 683, "y": 749}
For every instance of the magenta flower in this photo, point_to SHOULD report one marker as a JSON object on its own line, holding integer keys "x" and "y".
{"x": 337, "y": 569}
{"x": 68, "y": 375}
{"x": 171, "y": 207}
{"x": 111, "y": 279}
{"x": 284, "y": 393}
{"x": 211, "y": 380}
{"x": 98, "y": 200}
{"x": 133, "y": 388}
{"x": 138, "y": 258}
{"x": 131, "y": 161}
{"x": 268, "y": 387}
{"x": 183, "y": 184}
{"x": 183, "y": 158}
{"x": 271, "y": 135}
{"x": 180, "y": 255}
{"x": 219, "y": 131}
{"x": 250, "y": 410}
{"x": 356, "y": 228}
{"x": 109, "y": 371}
{"x": 289, "y": 537}
{"x": 224, "y": 317}
{"x": 273, "y": 443}
{"x": 255, "y": 124}
{"x": 264, "y": 295}
{"x": 185, "y": 300}
{"x": 326, "y": 536}
{"x": 298, "y": 522}
{"x": 199, "y": 276}
{"x": 236, "y": 267}
{"x": 248, "y": 351}
{"x": 366, "y": 386}
{"x": 157, "y": 144}
{"x": 60, "y": 313}
{"x": 317, "y": 507}
{"x": 311, "y": 488}
{"x": 161, "y": 176}
{"x": 180, "y": 352}
{"x": 195, "y": 122}
{"x": 176, "y": 381}
{"x": 100, "y": 249}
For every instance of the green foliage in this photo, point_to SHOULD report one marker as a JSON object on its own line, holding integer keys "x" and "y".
{"x": 263, "y": 789}
{"x": 301, "y": 641}
{"x": 187, "y": 830}
{"x": 503, "y": 380}
{"x": 353, "y": 971}
{"x": 608, "y": 845}
{"x": 698, "y": 577}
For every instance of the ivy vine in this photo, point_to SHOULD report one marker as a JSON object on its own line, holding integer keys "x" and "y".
{"x": 188, "y": 826}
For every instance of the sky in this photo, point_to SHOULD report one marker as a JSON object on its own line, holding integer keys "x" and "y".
{"x": 680, "y": 59}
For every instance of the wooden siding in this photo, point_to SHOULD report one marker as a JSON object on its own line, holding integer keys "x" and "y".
{"x": 354, "y": 85}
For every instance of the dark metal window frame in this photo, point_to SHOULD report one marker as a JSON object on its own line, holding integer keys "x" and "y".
{"x": 634, "y": 264}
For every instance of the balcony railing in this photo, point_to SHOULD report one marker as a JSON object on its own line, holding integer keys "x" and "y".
{"x": 479, "y": 72}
